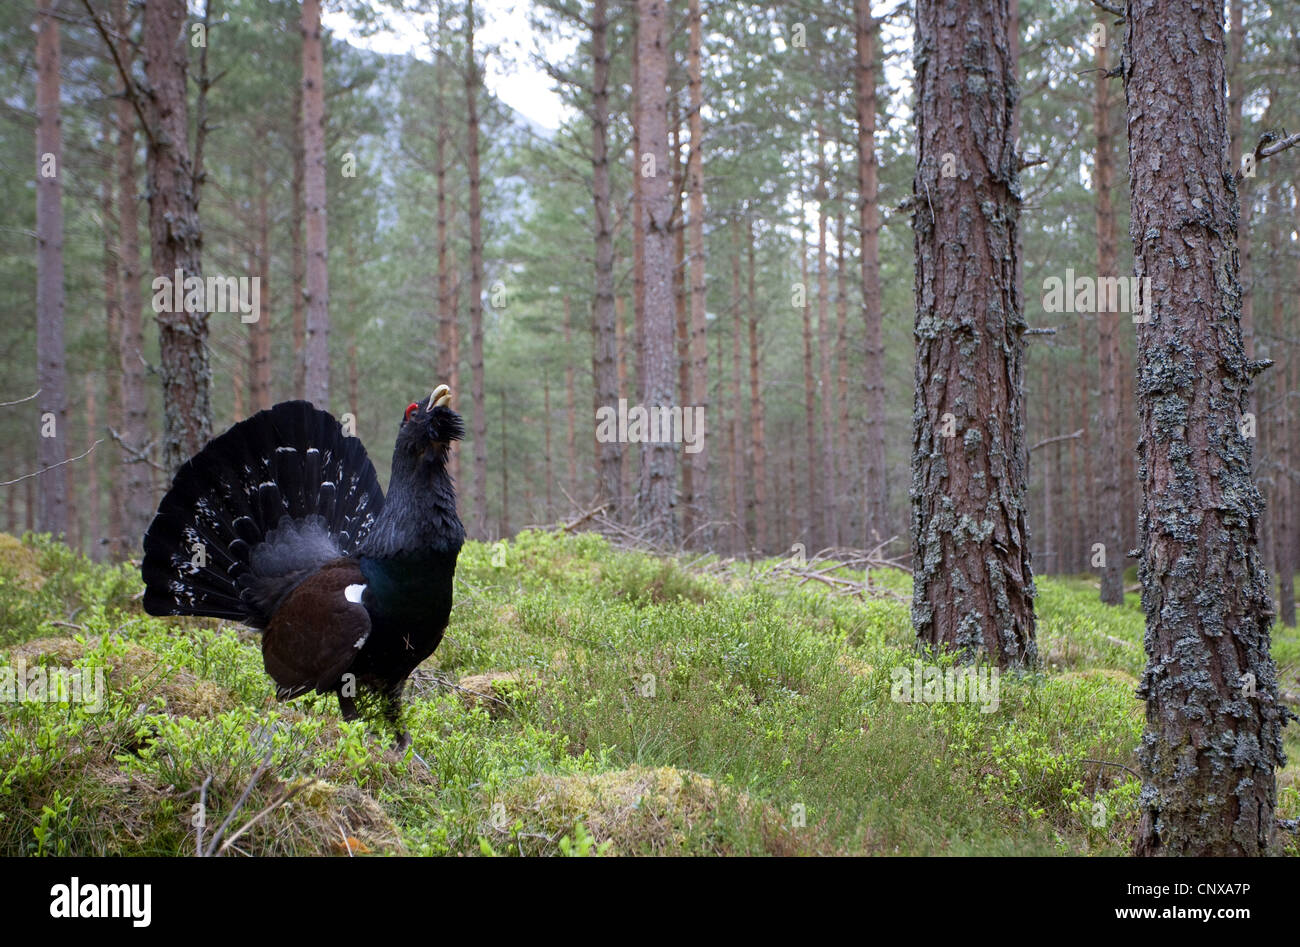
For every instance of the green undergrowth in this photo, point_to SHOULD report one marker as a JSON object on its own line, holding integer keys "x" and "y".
{"x": 586, "y": 701}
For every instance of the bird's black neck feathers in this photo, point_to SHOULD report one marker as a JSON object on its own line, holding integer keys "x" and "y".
{"x": 419, "y": 514}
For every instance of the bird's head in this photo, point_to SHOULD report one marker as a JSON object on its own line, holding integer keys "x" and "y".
{"x": 429, "y": 426}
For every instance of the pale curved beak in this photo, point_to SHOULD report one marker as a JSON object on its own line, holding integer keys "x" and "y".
{"x": 441, "y": 397}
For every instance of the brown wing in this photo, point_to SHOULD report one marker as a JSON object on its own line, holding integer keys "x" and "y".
{"x": 318, "y": 630}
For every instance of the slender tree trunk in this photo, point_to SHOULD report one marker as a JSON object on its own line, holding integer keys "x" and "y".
{"x": 698, "y": 395}
{"x": 139, "y": 502}
{"x": 658, "y": 460}
{"x": 453, "y": 376}
{"x": 740, "y": 543}
{"x": 446, "y": 316}
{"x": 297, "y": 256}
{"x": 114, "y": 547}
{"x": 840, "y": 444}
{"x": 1050, "y": 564}
{"x": 825, "y": 379}
{"x": 52, "y": 447}
{"x": 813, "y": 525}
{"x": 570, "y": 400}
{"x": 1213, "y": 739}
{"x": 176, "y": 234}
{"x": 681, "y": 303}
{"x": 638, "y": 214}
{"x": 875, "y": 484}
{"x": 550, "y": 470}
{"x": 1279, "y": 427}
{"x": 475, "y": 274}
{"x": 260, "y": 331}
{"x": 626, "y": 488}
{"x": 604, "y": 352}
{"x": 973, "y": 588}
{"x": 94, "y": 521}
{"x": 1110, "y": 505}
{"x": 317, "y": 345}
{"x": 757, "y": 421}
{"x": 504, "y": 528}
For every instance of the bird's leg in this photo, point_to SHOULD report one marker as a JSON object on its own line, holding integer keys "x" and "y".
{"x": 348, "y": 706}
{"x": 392, "y": 710}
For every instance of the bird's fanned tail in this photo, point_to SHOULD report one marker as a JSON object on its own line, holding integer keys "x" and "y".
{"x": 263, "y": 505}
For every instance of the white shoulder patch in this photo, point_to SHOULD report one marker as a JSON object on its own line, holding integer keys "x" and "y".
{"x": 353, "y": 593}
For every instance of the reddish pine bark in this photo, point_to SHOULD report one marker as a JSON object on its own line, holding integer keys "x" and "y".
{"x": 1213, "y": 736}
{"x": 973, "y": 588}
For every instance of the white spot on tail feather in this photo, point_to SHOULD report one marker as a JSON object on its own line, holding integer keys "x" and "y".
{"x": 353, "y": 593}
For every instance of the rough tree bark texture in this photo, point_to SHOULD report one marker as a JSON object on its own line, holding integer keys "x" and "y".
{"x": 1110, "y": 504}
{"x": 658, "y": 460}
{"x": 475, "y": 275}
{"x": 604, "y": 356}
{"x": 175, "y": 233}
{"x": 1213, "y": 737}
{"x": 52, "y": 446}
{"x": 875, "y": 485}
{"x": 970, "y": 550}
{"x": 699, "y": 352}
{"x": 317, "y": 345}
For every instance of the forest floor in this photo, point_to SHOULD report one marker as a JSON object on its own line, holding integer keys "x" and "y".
{"x": 585, "y": 701}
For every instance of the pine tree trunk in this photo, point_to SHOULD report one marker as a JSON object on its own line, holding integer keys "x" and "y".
{"x": 316, "y": 353}
{"x": 475, "y": 275}
{"x": 139, "y": 501}
{"x": 843, "y": 476}
{"x": 658, "y": 460}
{"x": 698, "y": 395}
{"x": 825, "y": 381}
{"x": 1279, "y": 429}
{"x": 297, "y": 260}
{"x": 1213, "y": 737}
{"x": 1109, "y": 505}
{"x": 813, "y": 523}
{"x": 550, "y": 470}
{"x": 570, "y": 400}
{"x": 94, "y": 523}
{"x": 604, "y": 350}
{"x": 875, "y": 485}
{"x": 114, "y": 547}
{"x": 175, "y": 233}
{"x": 973, "y": 588}
{"x": 52, "y": 446}
{"x": 740, "y": 541}
{"x": 260, "y": 331}
{"x": 681, "y": 307}
{"x": 757, "y": 421}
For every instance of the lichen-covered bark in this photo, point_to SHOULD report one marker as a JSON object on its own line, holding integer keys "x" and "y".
{"x": 973, "y": 589}
{"x": 1213, "y": 737}
{"x": 175, "y": 234}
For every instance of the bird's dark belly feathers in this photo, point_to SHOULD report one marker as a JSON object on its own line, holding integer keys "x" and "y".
{"x": 409, "y": 602}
